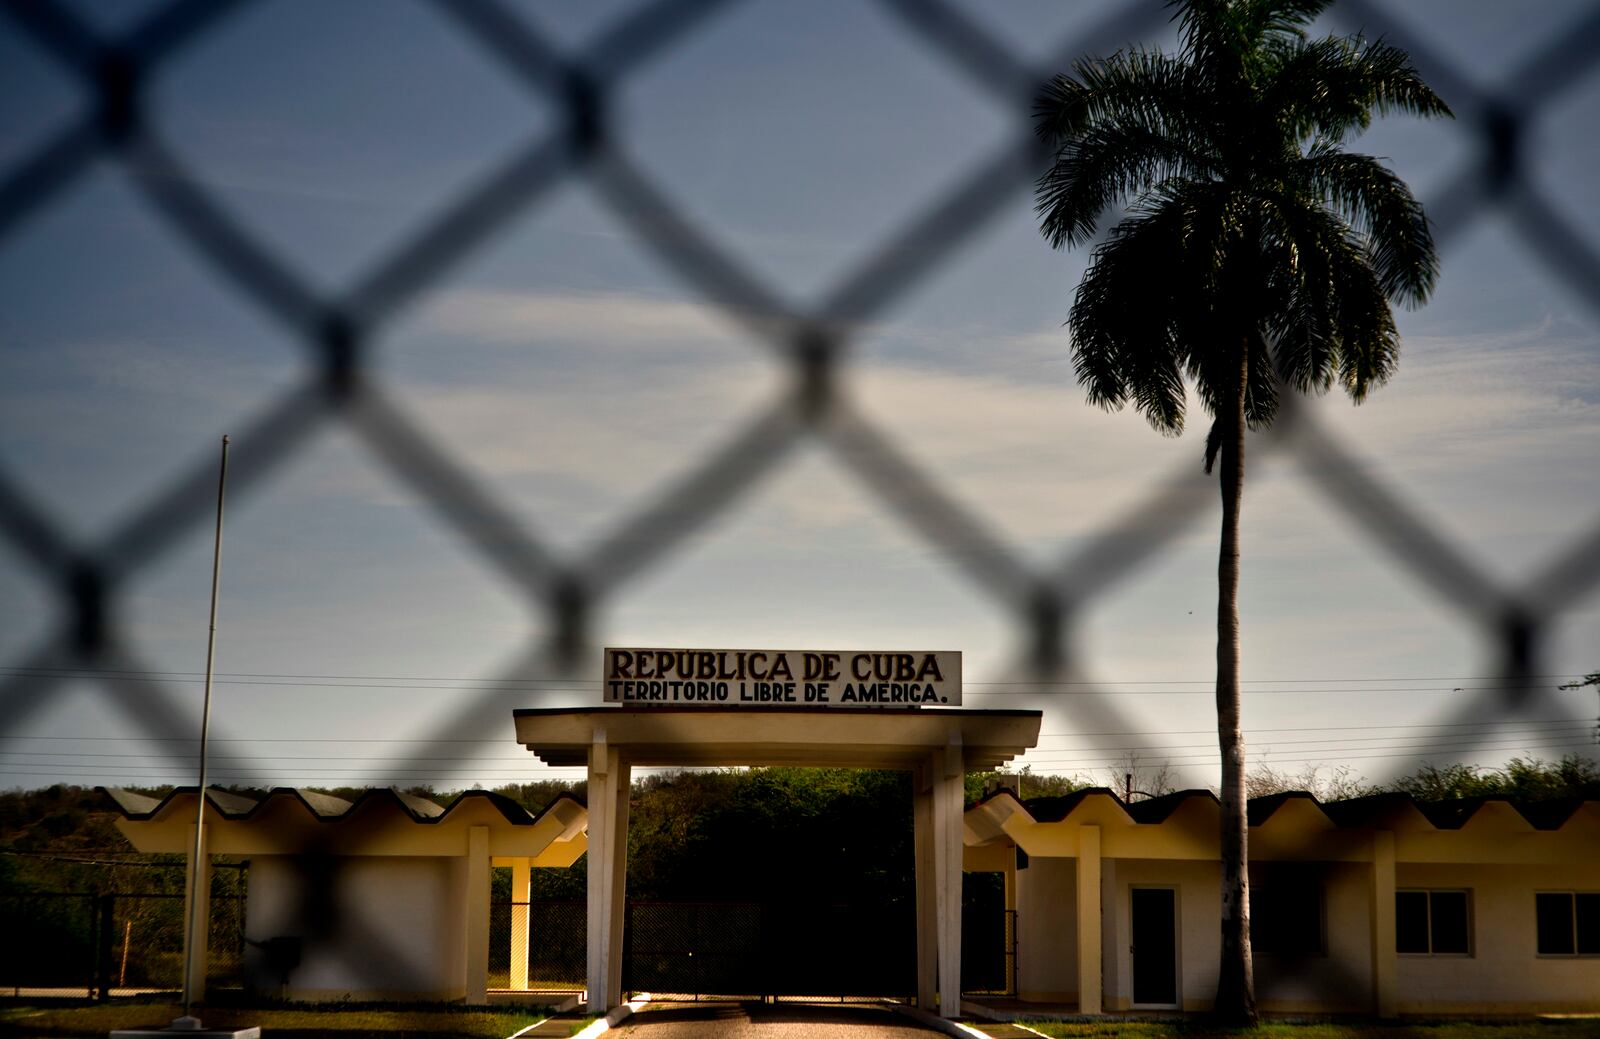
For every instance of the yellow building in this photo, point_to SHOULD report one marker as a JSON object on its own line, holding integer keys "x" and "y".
{"x": 386, "y": 897}
{"x": 1375, "y": 905}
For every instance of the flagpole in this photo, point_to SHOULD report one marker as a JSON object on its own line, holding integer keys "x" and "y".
{"x": 195, "y": 872}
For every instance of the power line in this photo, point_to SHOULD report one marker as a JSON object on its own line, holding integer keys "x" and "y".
{"x": 150, "y": 771}
{"x": 378, "y": 778}
{"x": 524, "y": 759}
{"x": 266, "y": 739}
{"x": 1317, "y": 728}
{"x": 468, "y": 768}
{"x": 1502, "y": 731}
{"x": 501, "y": 742}
{"x": 1376, "y": 691}
{"x": 1266, "y": 756}
{"x": 575, "y": 684}
{"x": 1353, "y": 743}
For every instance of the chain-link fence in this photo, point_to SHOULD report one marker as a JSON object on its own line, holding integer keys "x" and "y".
{"x": 988, "y": 949}
{"x": 552, "y": 940}
{"x": 104, "y": 945}
{"x": 86, "y": 582}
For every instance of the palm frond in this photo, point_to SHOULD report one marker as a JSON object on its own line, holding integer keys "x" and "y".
{"x": 1106, "y": 165}
{"x": 1248, "y": 227}
{"x": 1213, "y": 36}
{"x": 1299, "y": 242}
{"x": 1134, "y": 87}
{"x": 1336, "y": 324}
{"x": 1127, "y": 333}
{"x": 1369, "y": 342}
{"x": 1273, "y": 20}
{"x": 1261, "y": 389}
{"x": 1380, "y": 206}
{"x": 1332, "y": 86}
{"x": 1214, "y": 369}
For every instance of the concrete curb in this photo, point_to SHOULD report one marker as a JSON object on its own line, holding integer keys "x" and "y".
{"x": 922, "y": 1017}
{"x": 613, "y": 1019}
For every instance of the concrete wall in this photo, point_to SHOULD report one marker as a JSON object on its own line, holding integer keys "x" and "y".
{"x": 371, "y": 928}
{"x": 1047, "y": 931}
{"x": 1199, "y": 924}
{"x": 1504, "y": 972}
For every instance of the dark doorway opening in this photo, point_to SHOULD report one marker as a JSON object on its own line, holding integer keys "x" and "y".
{"x": 1155, "y": 946}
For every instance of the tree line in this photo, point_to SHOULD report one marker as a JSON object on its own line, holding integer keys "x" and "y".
{"x": 721, "y": 835}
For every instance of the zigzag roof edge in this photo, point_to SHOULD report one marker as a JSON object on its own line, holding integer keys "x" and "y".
{"x": 1355, "y": 813}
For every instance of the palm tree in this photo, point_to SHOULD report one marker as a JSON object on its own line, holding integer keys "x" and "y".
{"x": 1252, "y": 252}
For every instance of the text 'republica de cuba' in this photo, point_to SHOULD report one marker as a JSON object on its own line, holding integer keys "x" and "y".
{"x": 764, "y": 677}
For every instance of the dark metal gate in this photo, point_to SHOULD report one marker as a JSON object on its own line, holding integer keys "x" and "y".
{"x": 988, "y": 950}
{"x": 741, "y": 950}
{"x": 747, "y": 949}
{"x": 101, "y": 945}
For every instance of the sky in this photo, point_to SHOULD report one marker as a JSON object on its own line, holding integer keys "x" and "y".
{"x": 576, "y": 376}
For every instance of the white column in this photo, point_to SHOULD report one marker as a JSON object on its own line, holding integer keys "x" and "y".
{"x": 1114, "y": 938}
{"x": 1383, "y": 954}
{"x": 1089, "y": 911}
{"x": 477, "y": 929}
{"x": 521, "y": 877}
{"x": 197, "y": 880}
{"x": 927, "y": 917}
{"x": 619, "y": 879}
{"x": 948, "y": 768}
{"x": 607, "y": 866}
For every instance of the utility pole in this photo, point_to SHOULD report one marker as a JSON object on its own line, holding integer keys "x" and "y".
{"x": 197, "y": 873}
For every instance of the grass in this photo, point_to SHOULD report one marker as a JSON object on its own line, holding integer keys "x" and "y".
{"x": 345, "y": 1021}
{"x": 1579, "y": 1028}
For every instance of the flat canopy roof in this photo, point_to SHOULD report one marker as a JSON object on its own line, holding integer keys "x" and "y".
{"x": 827, "y": 737}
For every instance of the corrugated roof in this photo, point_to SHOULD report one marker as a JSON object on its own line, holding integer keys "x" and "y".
{"x": 1371, "y": 812}
{"x": 1157, "y": 809}
{"x": 325, "y": 807}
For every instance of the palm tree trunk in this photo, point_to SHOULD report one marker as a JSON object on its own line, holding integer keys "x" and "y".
{"x": 1236, "y": 997}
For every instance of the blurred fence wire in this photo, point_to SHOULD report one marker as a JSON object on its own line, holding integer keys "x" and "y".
{"x": 339, "y": 332}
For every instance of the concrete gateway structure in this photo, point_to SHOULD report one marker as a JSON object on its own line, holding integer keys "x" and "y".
{"x": 938, "y": 746}
{"x": 1378, "y": 905}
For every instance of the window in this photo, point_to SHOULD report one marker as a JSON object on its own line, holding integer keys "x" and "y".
{"x": 1433, "y": 923}
{"x": 1286, "y": 917}
{"x": 1568, "y": 923}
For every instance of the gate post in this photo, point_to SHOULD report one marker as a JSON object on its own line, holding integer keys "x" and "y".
{"x": 477, "y": 923}
{"x": 949, "y": 772}
{"x": 621, "y": 781}
{"x": 521, "y": 890}
{"x": 197, "y": 879}
{"x": 104, "y": 944}
{"x": 927, "y": 916}
{"x": 608, "y": 872}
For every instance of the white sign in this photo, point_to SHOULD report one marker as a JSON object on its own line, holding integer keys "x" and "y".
{"x": 763, "y": 677}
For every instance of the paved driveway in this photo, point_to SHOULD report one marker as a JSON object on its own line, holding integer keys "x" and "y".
{"x": 769, "y": 1021}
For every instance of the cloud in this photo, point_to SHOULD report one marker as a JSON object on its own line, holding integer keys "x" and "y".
{"x": 507, "y": 317}
{"x": 1014, "y": 442}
